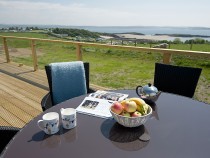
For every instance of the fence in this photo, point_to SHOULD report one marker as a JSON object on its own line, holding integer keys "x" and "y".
{"x": 167, "y": 53}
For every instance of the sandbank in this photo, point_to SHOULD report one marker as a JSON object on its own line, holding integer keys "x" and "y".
{"x": 148, "y": 37}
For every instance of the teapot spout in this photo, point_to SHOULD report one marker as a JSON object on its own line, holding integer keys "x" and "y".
{"x": 158, "y": 94}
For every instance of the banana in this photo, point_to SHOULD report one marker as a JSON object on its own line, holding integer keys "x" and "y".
{"x": 123, "y": 102}
{"x": 146, "y": 107}
{"x": 138, "y": 101}
{"x": 142, "y": 107}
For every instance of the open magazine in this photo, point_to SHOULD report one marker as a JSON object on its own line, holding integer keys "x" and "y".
{"x": 99, "y": 103}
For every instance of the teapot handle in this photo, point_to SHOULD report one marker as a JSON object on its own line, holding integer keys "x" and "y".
{"x": 139, "y": 90}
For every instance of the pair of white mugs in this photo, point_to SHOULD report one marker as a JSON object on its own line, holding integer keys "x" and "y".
{"x": 50, "y": 121}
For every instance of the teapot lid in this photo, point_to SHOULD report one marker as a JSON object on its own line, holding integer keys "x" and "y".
{"x": 148, "y": 89}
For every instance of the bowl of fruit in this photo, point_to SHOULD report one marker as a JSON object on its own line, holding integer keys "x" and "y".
{"x": 131, "y": 112}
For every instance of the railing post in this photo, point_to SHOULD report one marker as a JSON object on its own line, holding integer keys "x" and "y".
{"x": 167, "y": 58}
{"x": 191, "y": 45}
{"x": 34, "y": 56}
{"x": 79, "y": 53}
{"x": 6, "y": 49}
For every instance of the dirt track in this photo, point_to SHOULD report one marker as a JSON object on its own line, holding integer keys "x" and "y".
{"x": 23, "y": 52}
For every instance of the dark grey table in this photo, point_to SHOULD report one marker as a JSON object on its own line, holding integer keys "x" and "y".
{"x": 179, "y": 128}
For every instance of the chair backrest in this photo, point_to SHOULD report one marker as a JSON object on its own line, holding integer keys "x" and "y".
{"x": 49, "y": 77}
{"x": 6, "y": 134}
{"x": 176, "y": 79}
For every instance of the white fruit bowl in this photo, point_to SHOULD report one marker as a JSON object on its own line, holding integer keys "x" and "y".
{"x": 131, "y": 121}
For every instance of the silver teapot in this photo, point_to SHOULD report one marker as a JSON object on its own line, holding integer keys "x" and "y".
{"x": 148, "y": 92}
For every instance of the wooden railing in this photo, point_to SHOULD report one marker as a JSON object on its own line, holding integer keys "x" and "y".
{"x": 167, "y": 53}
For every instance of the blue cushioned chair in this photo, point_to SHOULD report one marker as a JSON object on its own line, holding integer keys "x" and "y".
{"x": 72, "y": 84}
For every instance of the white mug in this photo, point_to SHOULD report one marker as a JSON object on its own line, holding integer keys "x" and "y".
{"x": 49, "y": 123}
{"x": 68, "y": 116}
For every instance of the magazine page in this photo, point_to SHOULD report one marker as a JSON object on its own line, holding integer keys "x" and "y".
{"x": 96, "y": 107}
{"x": 109, "y": 95}
{"x": 99, "y": 103}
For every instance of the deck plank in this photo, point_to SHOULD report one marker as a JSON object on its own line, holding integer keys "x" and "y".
{"x": 4, "y": 122}
{"x": 16, "y": 111}
{"x": 20, "y": 101}
{"x": 25, "y": 73}
{"x": 21, "y": 97}
{"x": 21, "y": 87}
{"x": 11, "y": 119}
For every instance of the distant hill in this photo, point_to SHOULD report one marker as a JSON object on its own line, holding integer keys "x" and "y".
{"x": 76, "y": 32}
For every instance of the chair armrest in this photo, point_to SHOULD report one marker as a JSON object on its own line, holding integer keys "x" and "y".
{"x": 46, "y": 102}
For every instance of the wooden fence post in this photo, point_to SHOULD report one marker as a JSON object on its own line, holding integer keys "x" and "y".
{"x": 167, "y": 58}
{"x": 6, "y": 49}
{"x": 191, "y": 45}
{"x": 34, "y": 56}
{"x": 79, "y": 53}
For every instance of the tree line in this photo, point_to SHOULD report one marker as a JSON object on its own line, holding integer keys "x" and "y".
{"x": 76, "y": 32}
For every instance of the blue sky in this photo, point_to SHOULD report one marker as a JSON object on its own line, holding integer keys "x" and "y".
{"x": 106, "y": 12}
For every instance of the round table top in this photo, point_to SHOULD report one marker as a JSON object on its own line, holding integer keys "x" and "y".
{"x": 179, "y": 127}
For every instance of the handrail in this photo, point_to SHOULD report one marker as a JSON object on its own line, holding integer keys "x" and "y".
{"x": 167, "y": 53}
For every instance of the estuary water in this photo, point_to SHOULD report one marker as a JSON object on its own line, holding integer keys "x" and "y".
{"x": 152, "y": 30}
{"x": 148, "y": 30}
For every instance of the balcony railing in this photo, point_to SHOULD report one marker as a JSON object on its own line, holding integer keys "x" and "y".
{"x": 167, "y": 53}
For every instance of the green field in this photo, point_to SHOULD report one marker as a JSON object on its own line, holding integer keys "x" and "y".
{"x": 115, "y": 68}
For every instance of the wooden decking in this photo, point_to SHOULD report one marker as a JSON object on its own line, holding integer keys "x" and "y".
{"x": 21, "y": 92}
{"x": 19, "y": 101}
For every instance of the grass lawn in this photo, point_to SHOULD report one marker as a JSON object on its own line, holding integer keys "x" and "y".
{"x": 115, "y": 68}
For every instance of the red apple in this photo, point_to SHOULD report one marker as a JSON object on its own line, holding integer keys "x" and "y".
{"x": 117, "y": 107}
{"x": 125, "y": 113}
{"x": 136, "y": 114}
{"x": 130, "y": 106}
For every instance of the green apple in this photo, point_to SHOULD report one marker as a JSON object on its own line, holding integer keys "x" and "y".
{"x": 125, "y": 113}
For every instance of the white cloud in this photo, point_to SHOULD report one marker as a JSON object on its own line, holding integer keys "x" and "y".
{"x": 47, "y": 13}
{"x": 69, "y": 13}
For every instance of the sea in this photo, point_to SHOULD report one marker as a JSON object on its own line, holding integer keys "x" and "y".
{"x": 152, "y": 30}
{"x": 147, "y": 30}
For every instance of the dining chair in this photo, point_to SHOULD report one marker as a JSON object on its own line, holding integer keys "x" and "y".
{"x": 176, "y": 79}
{"x": 6, "y": 134}
{"x": 66, "y": 80}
